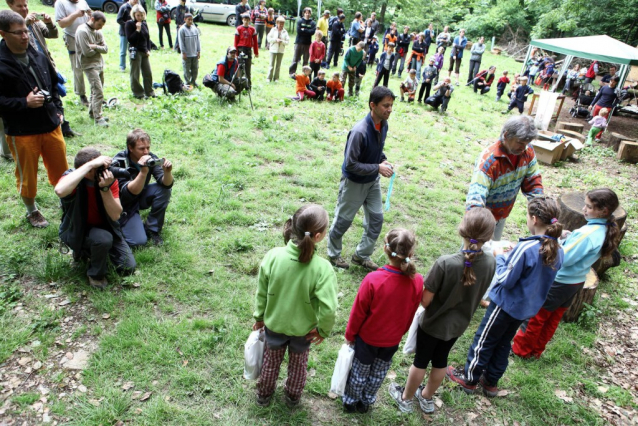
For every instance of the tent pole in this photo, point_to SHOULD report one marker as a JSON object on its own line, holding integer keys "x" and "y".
{"x": 566, "y": 62}
{"x": 529, "y": 50}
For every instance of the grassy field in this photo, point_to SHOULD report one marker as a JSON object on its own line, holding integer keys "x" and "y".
{"x": 177, "y": 327}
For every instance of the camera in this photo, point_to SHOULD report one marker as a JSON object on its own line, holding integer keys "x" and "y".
{"x": 242, "y": 58}
{"x": 132, "y": 51}
{"x": 39, "y": 16}
{"x": 118, "y": 172}
{"x": 47, "y": 96}
{"x": 152, "y": 162}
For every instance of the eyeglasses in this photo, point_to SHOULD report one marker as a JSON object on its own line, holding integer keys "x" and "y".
{"x": 19, "y": 32}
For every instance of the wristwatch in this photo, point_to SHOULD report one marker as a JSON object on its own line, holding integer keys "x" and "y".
{"x": 105, "y": 188}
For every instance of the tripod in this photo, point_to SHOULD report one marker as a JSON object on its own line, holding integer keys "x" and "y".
{"x": 241, "y": 72}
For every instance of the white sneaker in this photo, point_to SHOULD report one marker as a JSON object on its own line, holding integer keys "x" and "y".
{"x": 427, "y": 405}
{"x": 396, "y": 392}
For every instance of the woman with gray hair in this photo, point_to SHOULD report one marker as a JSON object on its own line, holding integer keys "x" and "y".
{"x": 277, "y": 40}
{"x": 139, "y": 52}
{"x": 503, "y": 168}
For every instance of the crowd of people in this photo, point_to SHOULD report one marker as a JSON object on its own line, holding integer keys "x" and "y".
{"x": 529, "y": 286}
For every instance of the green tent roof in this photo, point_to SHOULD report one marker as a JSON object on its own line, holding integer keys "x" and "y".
{"x": 601, "y": 48}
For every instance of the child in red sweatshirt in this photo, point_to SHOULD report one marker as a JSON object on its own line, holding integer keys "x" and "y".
{"x": 381, "y": 314}
{"x": 317, "y": 53}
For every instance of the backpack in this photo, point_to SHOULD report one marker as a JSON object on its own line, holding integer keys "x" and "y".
{"x": 172, "y": 83}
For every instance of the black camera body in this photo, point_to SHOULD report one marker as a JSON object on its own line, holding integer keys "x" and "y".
{"x": 118, "y": 172}
{"x": 242, "y": 58}
{"x": 47, "y": 96}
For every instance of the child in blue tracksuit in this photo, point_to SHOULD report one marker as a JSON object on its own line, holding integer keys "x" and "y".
{"x": 520, "y": 96}
{"x": 583, "y": 247}
{"x": 524, "y": 277}
{"x": 372, "y": 52}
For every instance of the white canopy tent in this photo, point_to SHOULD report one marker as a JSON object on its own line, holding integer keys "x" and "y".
{"x": 599, "y": 48}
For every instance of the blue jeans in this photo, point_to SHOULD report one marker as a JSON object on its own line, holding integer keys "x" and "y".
{"x": 123, "y": 51}
{"x": 153, "y": 196}
{"x": 491, "y": 347}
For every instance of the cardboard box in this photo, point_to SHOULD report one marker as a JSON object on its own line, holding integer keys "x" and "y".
{"x": 548, "y": 152}
{"x": 568, "y": 150}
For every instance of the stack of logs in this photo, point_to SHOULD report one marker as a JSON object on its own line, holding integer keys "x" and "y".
{"x": 571, "y": 217}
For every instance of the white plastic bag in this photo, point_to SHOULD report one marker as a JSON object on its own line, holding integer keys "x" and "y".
{"x": 410, "y": 343}
{"x": 254, "y": 355}
{"x": 342, "y": 369}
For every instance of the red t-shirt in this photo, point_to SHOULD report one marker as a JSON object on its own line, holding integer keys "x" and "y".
{"x": 384, "y": 307}
{"x": 93, "y": 215}
{"x": 513, "y": 158}
{"x": 378, "y": 126}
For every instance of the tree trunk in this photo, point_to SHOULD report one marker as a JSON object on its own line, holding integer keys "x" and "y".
{"x": 585, "y": 295}
{"x": 571, "y": 211}
{"x": 384, "y": 6}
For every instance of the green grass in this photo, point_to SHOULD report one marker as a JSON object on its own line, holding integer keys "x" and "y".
{"x": 239, "y": 174}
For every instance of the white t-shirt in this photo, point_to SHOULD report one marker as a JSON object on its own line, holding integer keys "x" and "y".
{"x": 64, "y": 8}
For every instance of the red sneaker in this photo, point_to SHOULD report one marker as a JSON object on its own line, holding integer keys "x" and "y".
{"x": 457, "y": 375}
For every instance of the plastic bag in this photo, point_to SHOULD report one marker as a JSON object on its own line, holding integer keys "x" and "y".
{"x": 410, "y": 344}
{"x": 254, "y": 355}
{"x": 342, "y": 369}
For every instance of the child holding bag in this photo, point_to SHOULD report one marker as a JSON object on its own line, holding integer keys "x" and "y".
{"x": 295, "y": 302}
{"x": 381, "y": 314}
{"x": 524, "y": 278}
{"x": 583, "y": 248}
{"x": 453, "y": 290}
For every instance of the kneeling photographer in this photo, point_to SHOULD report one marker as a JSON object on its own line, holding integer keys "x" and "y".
{"x": 227, "y": 80}
{"x": 91, "y": 207}
{"x": 139, "y": 194}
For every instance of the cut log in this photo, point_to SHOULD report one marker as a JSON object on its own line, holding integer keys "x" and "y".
{"x": 571, "y": 133}
{"x": 585, "y": 295}
{"x": 571, "y": 211}
{"x": 575, "y": 127}
{"x": 616, "y": 138}
{"x": 628, "y": 151}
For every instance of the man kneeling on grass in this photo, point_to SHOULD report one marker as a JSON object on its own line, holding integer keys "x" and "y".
{"x": 90, "y": 197}
{"x": 226, "y": 79}
{"x": 139, "y": 194}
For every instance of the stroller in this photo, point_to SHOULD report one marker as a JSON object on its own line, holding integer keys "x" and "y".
{"x": 586, "y": 95}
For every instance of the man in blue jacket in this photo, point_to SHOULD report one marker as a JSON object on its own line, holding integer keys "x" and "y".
{"x": 363, "y": 162}
{"x": 457, "y": 54}
{"x": 305, "y": 31}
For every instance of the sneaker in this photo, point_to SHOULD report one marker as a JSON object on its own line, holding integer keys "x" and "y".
{"x": 37, "y": 220}
{"x": 122, "y": 69}
{"x": 70, "y": 133}
{"x": 339, "y": 262}
{"x": 84, "y": 101}
{"x": 98, "y": 284}
{"x": 365, "y": 263}
{"x": 396, "y": 392}
{"x": 291, "y": 403}
{"x": 101, "y": 122}
{"x": 263, "y": 401}
{"x": 457, "y": 375}
{"x": 154, "y": 237}
{"x": 349, "y": 408}
{"x": 488, "y": 390}
{"x": 362, "y": 408}
{"x": 427, "y": 405}
{"x": 505, "y": 112}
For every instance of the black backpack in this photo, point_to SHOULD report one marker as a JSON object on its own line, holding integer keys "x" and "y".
{"x": 172, "y": 83}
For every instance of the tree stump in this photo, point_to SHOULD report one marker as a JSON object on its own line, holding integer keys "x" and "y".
{"x": 571, "y": 211}
{"x": 571, "y": 133}
{"x": 628, "y": 151}
{"x": 575, "y": 127}
{"x": 585, "y": 295}
{"x": 616, "y": 138}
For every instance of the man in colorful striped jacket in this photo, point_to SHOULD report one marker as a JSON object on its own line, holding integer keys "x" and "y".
{"x": 503, "y": 168}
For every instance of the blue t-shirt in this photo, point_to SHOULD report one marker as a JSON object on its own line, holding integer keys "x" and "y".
{"x": 354, "y": 29}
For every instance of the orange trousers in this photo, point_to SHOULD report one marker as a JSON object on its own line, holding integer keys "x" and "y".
{"x": 27, "y": 150}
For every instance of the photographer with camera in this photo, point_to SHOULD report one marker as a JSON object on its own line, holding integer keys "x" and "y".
{"x": 70, "y": 14}
{"x": 31, "y": 110}
{"x": 90, "y": 46}
{"x": 442, "y": 94}
{"x": 91, "y": 207}
{"x": 139, "y": 194}
{"x": 225, "y": 79}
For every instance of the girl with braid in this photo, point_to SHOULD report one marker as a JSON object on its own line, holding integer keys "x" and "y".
{"x": 381, "y": 314}
{"x": 523, "y": 279}
{"x": 452, "y": 293}
{"x": 295, "y": 303}
{"x": 583, "y": 248}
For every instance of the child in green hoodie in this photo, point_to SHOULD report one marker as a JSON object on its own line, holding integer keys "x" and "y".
{"x": 295, "y": 303}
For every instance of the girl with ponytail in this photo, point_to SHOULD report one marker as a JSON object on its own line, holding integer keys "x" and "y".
{"x": 582, "y": 248}
{"x": 381, "y": 314}
{"x": 295, "y": 303}
{"x": 453, "y": 290}
{"x": 523, "y": 279}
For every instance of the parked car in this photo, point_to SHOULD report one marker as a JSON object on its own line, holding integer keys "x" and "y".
{"x": 107, "y": 6}
{"x": 211, "y": 10}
